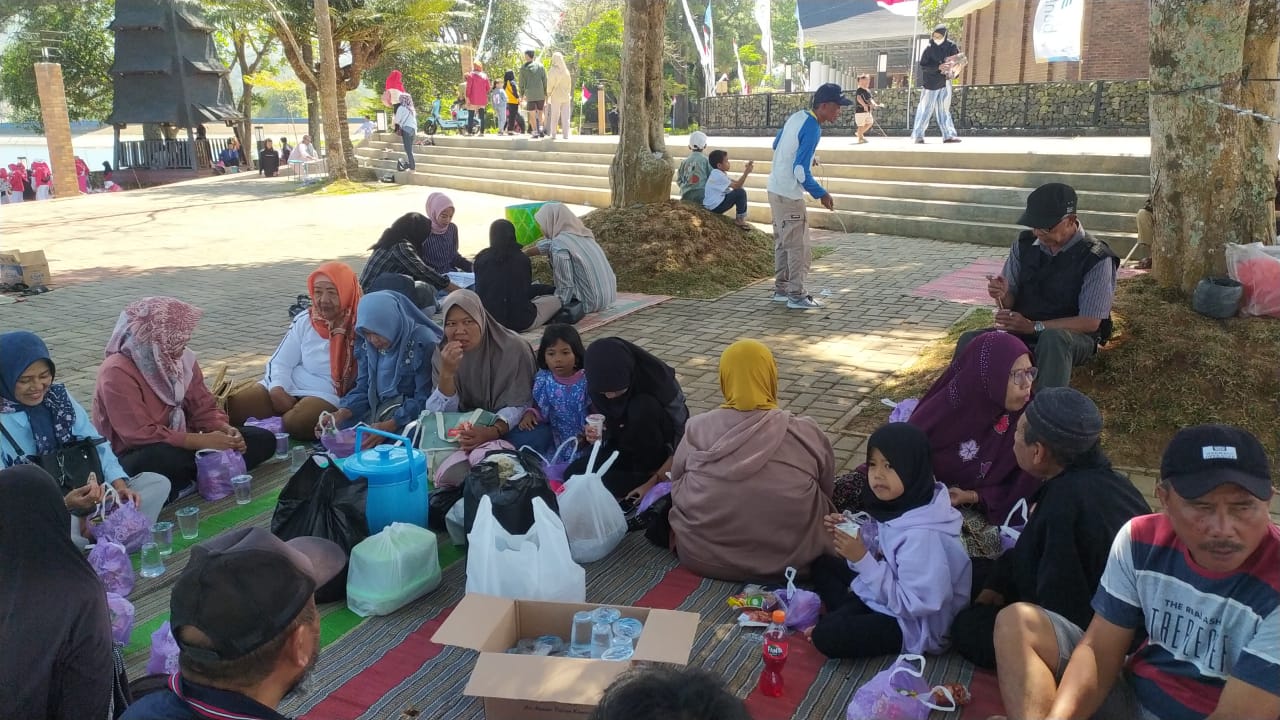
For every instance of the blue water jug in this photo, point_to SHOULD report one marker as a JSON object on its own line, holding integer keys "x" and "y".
{"x": 397, "y": 476}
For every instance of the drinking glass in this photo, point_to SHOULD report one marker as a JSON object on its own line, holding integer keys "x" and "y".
{"x": 297, "y": 458}
{"x": 242, "y": 485}
{"x": 580, "y": 639}
{"x": 601, "y": 638}
{"x": 152, "y": 563}
{"x": 189, "y": 522}
{"x": 282, "y": 446}
{"x": 162, "y": 535}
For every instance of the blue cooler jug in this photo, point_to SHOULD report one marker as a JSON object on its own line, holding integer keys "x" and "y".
{"x": 397, "y": 476}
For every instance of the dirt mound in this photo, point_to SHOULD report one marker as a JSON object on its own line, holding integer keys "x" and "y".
{"x": 674, "y": 248}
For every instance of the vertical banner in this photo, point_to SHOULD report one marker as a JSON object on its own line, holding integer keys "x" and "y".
{"x": 1057, "y": 29}
{"x": 764, "y": 18}
{"x": 799, "y": 34}
{"x": 744, "y": 89}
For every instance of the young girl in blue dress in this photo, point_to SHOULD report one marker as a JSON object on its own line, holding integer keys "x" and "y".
{"x": 560, "y": 387}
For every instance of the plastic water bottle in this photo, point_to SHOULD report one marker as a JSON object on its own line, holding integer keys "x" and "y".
{"x": 775, "y": 655}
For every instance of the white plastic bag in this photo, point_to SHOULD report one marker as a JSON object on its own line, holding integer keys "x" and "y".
{"x": 1257, "y": 268}
{"x": 534, "y": 566}
{"x": 392, "y": 569}
{"x": 455, "y": 523}
{"x": 593, "y": 520}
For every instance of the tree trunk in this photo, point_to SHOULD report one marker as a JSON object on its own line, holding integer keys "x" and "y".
{"x": 329, "y": 92}
{"x": 1213, "y": 170}
{"x": 348, "y": 153}
{"x": 641, "y": 170}
{"x": 313, "y": 95}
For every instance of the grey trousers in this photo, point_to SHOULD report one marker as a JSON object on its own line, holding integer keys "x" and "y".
{"x": 790, "y": 245}
{"x": 1055, "y": 352}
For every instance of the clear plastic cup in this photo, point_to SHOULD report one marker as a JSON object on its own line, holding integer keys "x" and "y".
{"x": 162, "y": 536}
{"x": 595, "y": 421}
{"x": 282, "y": 446}
{"x": 242, "y": 485}
{"x": 618, "y": 653}
{"x": 189, "y": 522}
{"x": 298, "y": 457}
{"x": 629, "y": 628}
{"x": 580, "y": 639}
{"x": 601, "y": 638}
{"x": 152, "y": 564}
{"x": 606, "y": 615}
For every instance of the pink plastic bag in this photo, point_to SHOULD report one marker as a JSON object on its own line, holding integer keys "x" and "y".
{"x": 340, "y": 443}
{"x": 802, "y": 606}
{"x": 119, "y": 522}
{"x": 111, "y": 561}
{"x": 164, "y": 652}
{"x": 898, "y": 693}
{"x": 214, "y": 470}
{"x": 122, "y": 614}
{"x": 476, "y": 455}
{"x": 1257, "y": 268}
{"x": 274, "y": 424}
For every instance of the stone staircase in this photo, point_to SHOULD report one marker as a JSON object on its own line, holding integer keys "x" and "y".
{"x": 961, "y": 196}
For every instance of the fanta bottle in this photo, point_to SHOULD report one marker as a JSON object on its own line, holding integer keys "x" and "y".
{"x": 775, "y": 655}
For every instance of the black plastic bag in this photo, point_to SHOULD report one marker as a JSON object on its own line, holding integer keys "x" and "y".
{"x": 438, "y": 504}
{"x": 512, "y": 500}
{"x": 323, "y": 502}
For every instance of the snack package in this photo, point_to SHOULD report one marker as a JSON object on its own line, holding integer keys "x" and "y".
{"x": 755, "y": 618}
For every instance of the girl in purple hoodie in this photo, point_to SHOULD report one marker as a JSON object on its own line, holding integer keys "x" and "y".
{"x": 900, "y": 581}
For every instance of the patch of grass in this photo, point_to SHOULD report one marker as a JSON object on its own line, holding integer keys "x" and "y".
{"x": 341, "y": 187}
{"x": 1166, "y": 368}
{"x": 674, "y": 248}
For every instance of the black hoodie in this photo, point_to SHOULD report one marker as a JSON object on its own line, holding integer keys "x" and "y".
{"x": 933, "y": 56}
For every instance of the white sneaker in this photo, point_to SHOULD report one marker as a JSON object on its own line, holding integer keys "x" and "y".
{"x": 805, "y": 303}
{"x": 781, "y": 297}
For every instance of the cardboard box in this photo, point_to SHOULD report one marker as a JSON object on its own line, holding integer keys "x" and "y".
{"x": 35, "y": 268}
{"x": 520, "y": 687}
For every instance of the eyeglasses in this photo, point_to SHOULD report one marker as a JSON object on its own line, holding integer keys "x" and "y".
{"x": 1025, "y": 376}
{"x": 1051, "y": 227}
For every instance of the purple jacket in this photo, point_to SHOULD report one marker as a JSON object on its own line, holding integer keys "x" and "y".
{"x": 917, "y": 571}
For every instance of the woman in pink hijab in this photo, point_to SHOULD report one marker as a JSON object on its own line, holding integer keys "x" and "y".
{"x": 440, "y": 250}
{"x": 151, "y": 402}
{"x": 82, "y": 174}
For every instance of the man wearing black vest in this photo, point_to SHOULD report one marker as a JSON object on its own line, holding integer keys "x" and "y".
{"x": 1056, "y": 289}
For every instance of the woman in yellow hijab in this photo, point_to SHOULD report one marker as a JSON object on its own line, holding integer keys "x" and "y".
{"x": 750, "y": 482}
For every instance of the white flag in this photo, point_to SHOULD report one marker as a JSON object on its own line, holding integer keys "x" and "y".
{"x": 764, "y": 19}
{"x": 1056, "y": 36}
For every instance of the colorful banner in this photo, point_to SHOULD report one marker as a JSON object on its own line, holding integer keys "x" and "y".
{"x": 1057, "y": 30}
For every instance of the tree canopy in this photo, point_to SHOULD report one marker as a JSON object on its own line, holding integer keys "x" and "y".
{"x": 85, "y": 51}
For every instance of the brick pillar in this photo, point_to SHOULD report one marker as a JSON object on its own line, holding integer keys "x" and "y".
{"x": 57, "y": 129}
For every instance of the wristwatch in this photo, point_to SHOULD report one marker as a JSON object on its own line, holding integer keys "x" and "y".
{"x": 1038, "y": 327}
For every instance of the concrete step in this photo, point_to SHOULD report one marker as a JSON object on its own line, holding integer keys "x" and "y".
{"x": 598, "y": 169}
{"x": 571, "y": 194}
{"x": 830, "y": 169}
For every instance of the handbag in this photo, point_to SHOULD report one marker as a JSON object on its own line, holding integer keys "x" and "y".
{"x": 70, "y": 464}
{"x": 438, "y": 433}
{"x": 321, "y": 501}
{"x": 570, "y": 314}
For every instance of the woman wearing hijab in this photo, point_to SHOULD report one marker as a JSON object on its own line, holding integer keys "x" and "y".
{"x": 54, "y": 624}
{"x": 315, "y": 364}
{"x": 396, "y": 253}
{"x": 440, "y": 250}
{"x": 644, "y": 415}
{"x": 151, "y": 402}
{"x": 970, "y": 415}
{"x": 504, "y": 282}
{"x": 578, "y": 264}
{"x": 393, "y": 346}
{"x": 477, "y": 95}
{"x": 749, "y": 481}
{"x": 481, "y": 365}
{"x": 901, "y": 577}
{"x": 39, "y": 416}
{"x": 559, "y": 96}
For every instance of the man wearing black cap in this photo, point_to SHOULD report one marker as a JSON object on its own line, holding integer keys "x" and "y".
{"x": 938, "y": 65}
{"x": 244, "y": 615}
{"x": 1201, "y": 581}
{"x": 1056, "y": 288}
{"x": 791, "y": 175}
{"x": 1058, "y": 557}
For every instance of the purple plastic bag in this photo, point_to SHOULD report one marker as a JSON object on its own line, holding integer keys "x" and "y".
{"x": 124, "y": 523}
{"x": 274, "y": 424}
{"x": 902, "y": 411}
{"x": 559, "y": 462}
{"x": 802, "y": 606}
{"x": 121, "y": 617}
{"x": 655, "y": 492}
{"x": 1009, "y": 531}
{"x": 214, "y": 470}
{"x": 899, "y": 692}
{"x": 111, "y": 561}
{"x": 164, "y": 652}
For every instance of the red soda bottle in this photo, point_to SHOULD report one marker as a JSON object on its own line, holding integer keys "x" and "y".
{"x": 775, "y": 655}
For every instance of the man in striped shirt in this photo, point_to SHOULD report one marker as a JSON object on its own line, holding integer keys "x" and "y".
{"x": 1199, "y": 584}
{"x": 1056, "y": 288}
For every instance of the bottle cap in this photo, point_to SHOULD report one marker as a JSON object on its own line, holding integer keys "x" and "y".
{"x": 779, "y": 616}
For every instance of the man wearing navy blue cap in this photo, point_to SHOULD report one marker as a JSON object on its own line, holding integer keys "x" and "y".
{"x": 790, "y": 177}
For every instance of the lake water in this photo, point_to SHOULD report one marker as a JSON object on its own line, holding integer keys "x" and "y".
{"x": 93, "y": 153}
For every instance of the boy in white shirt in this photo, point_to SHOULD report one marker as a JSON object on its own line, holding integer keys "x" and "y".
{"x": 721, "y": 193}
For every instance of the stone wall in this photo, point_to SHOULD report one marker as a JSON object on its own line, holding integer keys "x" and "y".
{"x": 1102, "y": 107}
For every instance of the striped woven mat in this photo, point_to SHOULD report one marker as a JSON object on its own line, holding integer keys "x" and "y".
{"x": 388, "y": 665}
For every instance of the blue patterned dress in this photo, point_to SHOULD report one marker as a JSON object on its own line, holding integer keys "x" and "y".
{"x": 562, "y": 403}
